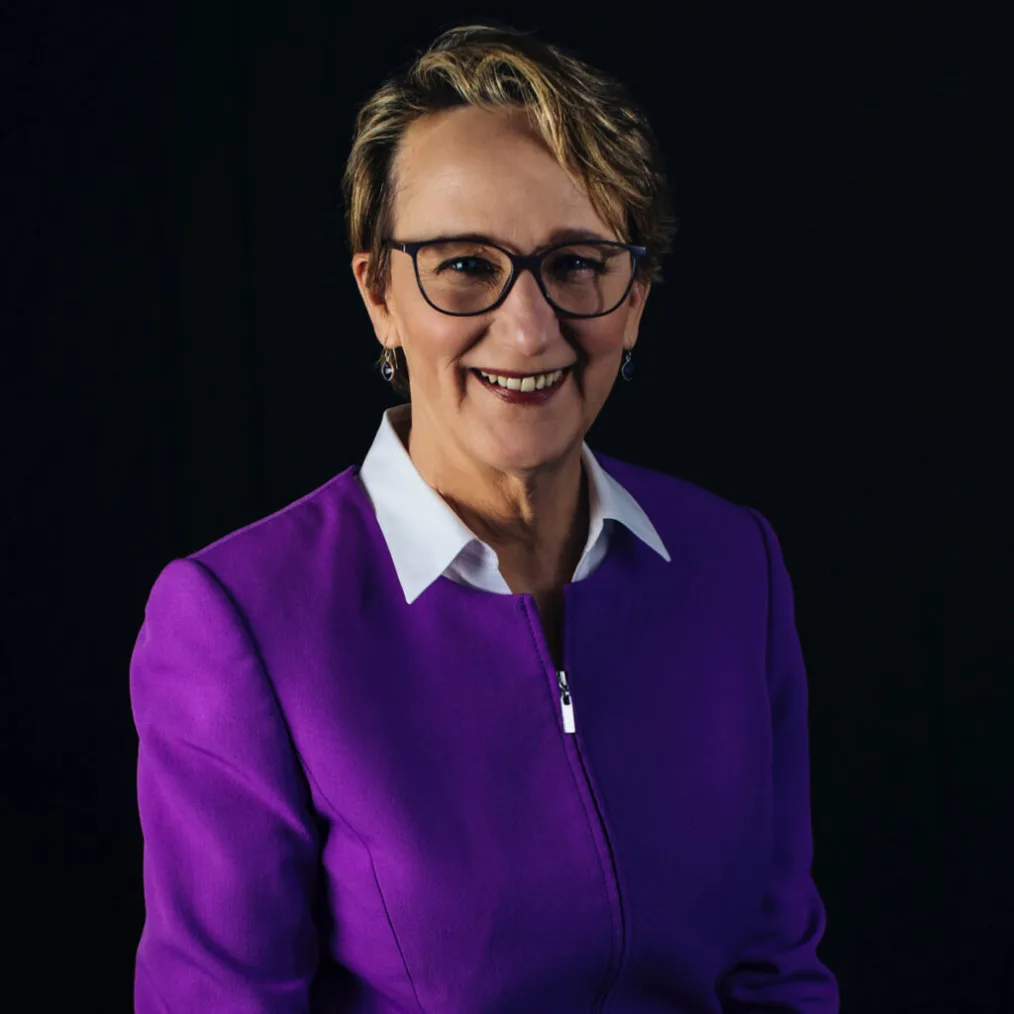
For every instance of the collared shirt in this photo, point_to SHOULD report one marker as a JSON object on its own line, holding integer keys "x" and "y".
{"x": 426, "y": 538}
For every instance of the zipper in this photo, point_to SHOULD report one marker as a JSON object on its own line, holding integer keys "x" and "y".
{"x": 567, "y": 708}
{"x": 566, "y": 704}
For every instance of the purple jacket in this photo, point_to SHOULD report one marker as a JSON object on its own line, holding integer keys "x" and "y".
{"x": 351, "y": 804}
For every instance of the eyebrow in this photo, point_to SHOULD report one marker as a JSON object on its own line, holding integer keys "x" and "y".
{"x": 563, "y": 234}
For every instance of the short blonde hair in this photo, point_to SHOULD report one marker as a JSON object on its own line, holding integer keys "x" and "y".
{"x": 588, "y": 120}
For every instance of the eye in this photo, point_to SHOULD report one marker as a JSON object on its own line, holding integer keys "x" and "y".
{"x": 465, "y": 260}
{"x": 569, "y": 264}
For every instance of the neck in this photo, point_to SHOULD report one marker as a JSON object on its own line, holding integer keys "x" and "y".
{"x": 536, "y": 521}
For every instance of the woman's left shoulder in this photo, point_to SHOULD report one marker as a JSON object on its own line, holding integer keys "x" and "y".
{"x": 674, "y": 497}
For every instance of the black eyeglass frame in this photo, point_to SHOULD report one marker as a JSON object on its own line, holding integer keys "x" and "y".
{"x": 519, "y": 263}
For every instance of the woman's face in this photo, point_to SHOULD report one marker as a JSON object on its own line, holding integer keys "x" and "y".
{"x": 469, "y": 171}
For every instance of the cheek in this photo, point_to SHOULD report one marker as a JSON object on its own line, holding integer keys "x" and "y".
{"x": 602, "y": 346}
{"x": 598, "y": 380}
{"x": 602, "y": 337}
{"x": 434, "y": 350}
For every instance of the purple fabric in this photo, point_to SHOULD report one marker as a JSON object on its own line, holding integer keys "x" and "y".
{"x": 352, "y": 805}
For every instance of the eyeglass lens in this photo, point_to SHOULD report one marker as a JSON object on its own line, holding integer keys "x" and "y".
{"x": 468, "y": 277}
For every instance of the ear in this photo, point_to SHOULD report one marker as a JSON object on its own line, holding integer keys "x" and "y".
{"x": 378, "y": 309}
{"x": 635, "y": 307}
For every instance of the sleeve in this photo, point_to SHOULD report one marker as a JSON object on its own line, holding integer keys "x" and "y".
{"x": 230, "y": 847}
{"x": 779, "y": 969}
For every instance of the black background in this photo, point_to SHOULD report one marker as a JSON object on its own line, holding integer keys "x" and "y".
{"x": 183, "y": 350}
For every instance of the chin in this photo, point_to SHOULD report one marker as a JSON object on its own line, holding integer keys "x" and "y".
{"x": 523, "y": 457}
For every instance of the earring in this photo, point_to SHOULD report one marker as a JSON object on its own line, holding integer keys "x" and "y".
{"x": 627, "y": 369}
{"x": 388, "y": 365}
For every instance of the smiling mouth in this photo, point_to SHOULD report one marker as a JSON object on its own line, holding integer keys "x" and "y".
{"x": 523, "y": 382}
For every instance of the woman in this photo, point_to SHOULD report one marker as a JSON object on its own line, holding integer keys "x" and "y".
{"x": 492, "y": 724}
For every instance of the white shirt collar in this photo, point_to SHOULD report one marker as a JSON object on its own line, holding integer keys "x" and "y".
{"x": 425, "y": 536}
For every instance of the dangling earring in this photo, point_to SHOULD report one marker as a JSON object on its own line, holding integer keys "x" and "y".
{"x": 388, "y": 365}
{"x": 627, "y": 369}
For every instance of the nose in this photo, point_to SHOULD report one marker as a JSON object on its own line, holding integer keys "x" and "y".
{"x": 527, "y": 315}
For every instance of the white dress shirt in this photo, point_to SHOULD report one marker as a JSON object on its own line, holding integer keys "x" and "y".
{"x": 426, "y": 538}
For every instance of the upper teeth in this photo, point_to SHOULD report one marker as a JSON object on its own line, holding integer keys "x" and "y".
{"x": 534, "y": 382}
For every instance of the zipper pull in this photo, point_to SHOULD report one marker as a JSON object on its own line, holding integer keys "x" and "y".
{"x": 566, "y": 704}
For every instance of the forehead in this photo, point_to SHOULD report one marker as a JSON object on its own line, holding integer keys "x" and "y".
{"x": 471, "y": 170}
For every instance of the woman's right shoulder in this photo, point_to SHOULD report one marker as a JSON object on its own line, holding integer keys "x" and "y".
{"x": 318, "y": 534}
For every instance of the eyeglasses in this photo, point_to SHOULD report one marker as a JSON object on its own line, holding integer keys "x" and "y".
{"x": 463, "y": 277}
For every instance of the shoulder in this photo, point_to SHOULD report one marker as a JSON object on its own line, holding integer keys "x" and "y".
{"x": 294, "y": 546}
{"x": 661, "y": 486}
{"x": 691, "y": 520}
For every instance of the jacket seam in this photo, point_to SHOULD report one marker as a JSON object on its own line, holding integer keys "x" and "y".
{"x": 376, "y": 879}
{"x": 761, "y": 523}
{"x": 769, "y": 585}
{"x": 305, "y": 767}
